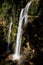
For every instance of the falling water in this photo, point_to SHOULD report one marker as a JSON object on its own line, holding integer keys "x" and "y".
{"x": 19, "y": 34}
{"x": 26, "y": 9}
{"x": 9, "y": 33}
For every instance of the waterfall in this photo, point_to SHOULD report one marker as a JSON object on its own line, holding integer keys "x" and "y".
{"x": 19, "y": 36}
{"x": 9, "y": 33}
{"x": 23, "y": 15}
{"x": 26, "y": 10}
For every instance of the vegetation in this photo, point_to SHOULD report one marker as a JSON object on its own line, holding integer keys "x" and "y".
{"x": 32, "y": 32}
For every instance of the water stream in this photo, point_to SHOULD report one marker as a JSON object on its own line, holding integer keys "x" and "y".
{"x": 9, "y": 34}
{"x": 19, "y": 37}
{"x": 23, "y": 15}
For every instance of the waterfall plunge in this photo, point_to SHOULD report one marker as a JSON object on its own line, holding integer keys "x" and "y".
{"x": 16, "y": 56}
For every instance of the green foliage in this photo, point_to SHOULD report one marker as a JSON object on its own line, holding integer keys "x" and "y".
{"x": 3, "y": 10}
{"x": 33, "y": 9}
{"x": 12, "y": 8}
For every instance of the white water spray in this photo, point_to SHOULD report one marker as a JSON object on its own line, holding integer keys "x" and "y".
{"x": 16, "y": 56}
{"x": 9, "y": 33}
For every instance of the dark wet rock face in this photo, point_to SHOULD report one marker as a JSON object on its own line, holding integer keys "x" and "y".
{"x": 3, "y": 44}
{"x": 34, "y": 34}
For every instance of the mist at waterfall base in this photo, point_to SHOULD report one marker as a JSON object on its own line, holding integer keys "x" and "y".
{"x": 23, "y": 15}
{"x": 9, "y": 34}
